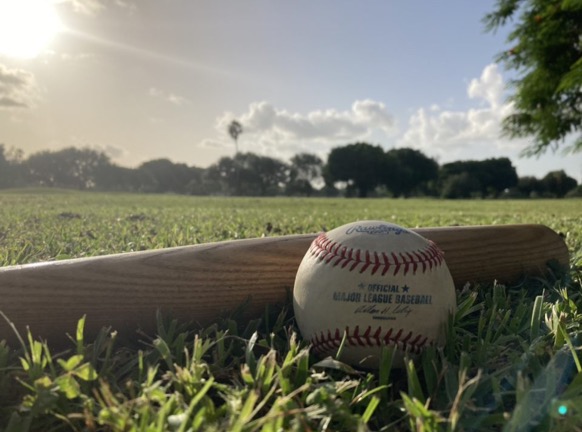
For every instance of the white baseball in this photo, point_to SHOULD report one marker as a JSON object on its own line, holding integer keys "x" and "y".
{"x": 381, "y": 284}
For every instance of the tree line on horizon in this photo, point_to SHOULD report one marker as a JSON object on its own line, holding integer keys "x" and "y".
{"x": 354, "y": 170}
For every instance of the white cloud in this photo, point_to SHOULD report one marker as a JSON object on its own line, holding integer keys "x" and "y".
{"x": 448, "y": 133}
{"x": 167, "y": 96}
{"x": 437, "y": 129}
{"x": 281, "y": 133}
{"x": 488, "y": 87}
{"x": 18, "y": 88}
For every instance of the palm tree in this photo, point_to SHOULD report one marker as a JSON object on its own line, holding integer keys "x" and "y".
{"x": 234, "y": 130}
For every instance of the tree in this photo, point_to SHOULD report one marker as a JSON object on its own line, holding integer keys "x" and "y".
{"x": 222, "y": 177}
{"x": 359, "y": 164}
{"x": 489, "y": 177}
{"x": 575, "y": 193}
{"x": 10, "y": 166}
{"x": 234, "y": 130}
{"x": 497, "y": 174}
{"x": 305, "y": 169}
{"x": 4, "y": 169}
{"x": 68, "y": 168}
{"x": 273, "y": 174}
{"x": 529, "y": 187}
{"x": 163, "y": 175}
{"x": 248, "y": 174}
{"x": 462, "y": 185}
{"x": 408, "y": 171}
{"x": 120, "y": 179}
{"x": 547, "y": 54}
{"x": 558, "y": 183}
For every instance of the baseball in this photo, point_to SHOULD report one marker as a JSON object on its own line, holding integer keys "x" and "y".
{"x": 377, "y": 283}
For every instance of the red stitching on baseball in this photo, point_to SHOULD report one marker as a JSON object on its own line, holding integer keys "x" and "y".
{"x": 328, "y": 341}
{"x": 336, "y": 254}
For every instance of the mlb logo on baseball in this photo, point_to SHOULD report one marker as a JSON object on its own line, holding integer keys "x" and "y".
{"x": 376, "y": 284}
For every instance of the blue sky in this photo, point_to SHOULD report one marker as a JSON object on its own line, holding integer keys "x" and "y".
{"x": 149, "y": 79}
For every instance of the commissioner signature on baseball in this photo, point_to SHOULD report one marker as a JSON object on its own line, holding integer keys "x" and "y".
{"x": 372, "y": 309}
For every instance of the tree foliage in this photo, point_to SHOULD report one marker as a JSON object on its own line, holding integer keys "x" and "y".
{"x": 408, "y": 172}
{"x": 529, "y": 186}
{"x": 547, "y": 54}
{"x": 70, "y": 167}
{"x": 234, "y": 130}
{"x": 305, "y": 169}
{"x": 163, "y": 175}
{"x": 486, "y": 178}
{"x": 461, "y": 185}
{"x": 558, "y": 183}
{"x": 4, "y": 168}
{"x": 364, "y": 169}
{"x": 359, "y": 164}
{"x": 249, "y": 174}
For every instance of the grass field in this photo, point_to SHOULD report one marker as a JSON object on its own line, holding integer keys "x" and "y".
{"x": 512, "y": 357}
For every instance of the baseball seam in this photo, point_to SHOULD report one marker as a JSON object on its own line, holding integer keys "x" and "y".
{"x": 334, "y": 253}
{"x": 327, "y": 342}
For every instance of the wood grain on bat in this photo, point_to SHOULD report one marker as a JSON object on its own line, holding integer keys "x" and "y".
{"x": 198, "y": 283}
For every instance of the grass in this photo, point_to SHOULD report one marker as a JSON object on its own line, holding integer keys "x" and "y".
{"x": 511, "y": 361}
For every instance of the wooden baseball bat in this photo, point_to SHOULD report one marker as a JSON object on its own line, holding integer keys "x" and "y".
{"x": 199, "y": 283}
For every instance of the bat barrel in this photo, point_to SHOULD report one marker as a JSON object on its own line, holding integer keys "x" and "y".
{"x": 199, "y": 283}
{"x": 502, "y": 253}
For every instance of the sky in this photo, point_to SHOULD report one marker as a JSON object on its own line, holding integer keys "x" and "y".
{"x": 147, "y": 79}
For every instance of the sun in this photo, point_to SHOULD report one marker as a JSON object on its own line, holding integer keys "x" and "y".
{"x": 27, "y": 27}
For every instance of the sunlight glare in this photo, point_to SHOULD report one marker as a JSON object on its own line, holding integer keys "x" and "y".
{"x": 27, "y": 27}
